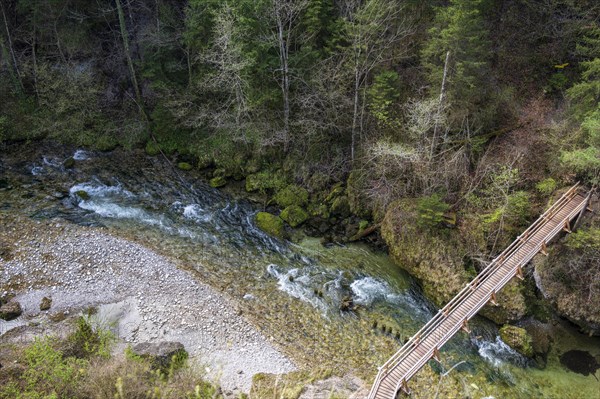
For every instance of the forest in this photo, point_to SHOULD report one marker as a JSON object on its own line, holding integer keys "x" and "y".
{"x": 436, "y": 129}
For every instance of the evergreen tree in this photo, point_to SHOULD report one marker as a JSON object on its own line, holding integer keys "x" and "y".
{"x": 459, "y": 30}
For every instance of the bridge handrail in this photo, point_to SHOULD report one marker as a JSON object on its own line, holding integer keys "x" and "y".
{"x": 470, "y": 288}
{"x": 482, "y": 302}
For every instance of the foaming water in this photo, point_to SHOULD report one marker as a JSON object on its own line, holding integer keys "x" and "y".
{"x": 307, "y": 286}
{"x": 497, "y": 353}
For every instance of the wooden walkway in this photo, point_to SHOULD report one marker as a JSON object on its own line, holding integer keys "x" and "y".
{"x": 425, "y": 344}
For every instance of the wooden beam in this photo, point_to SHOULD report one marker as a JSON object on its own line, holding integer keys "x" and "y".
{"x": 436, "y": 354}
{"x": 520, "y": 273}
{"x": 465, "y": 326}
{"x": 493, "y": 299}
{"x": 567, "y": 227}
{"x": 405, "y": 387}
{"x": 544, "y": 249}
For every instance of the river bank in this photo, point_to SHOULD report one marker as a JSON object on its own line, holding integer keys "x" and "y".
{"x": 139, "y": 295}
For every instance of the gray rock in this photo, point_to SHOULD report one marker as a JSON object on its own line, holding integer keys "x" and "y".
{"x": 46, "y": 303}
{"x": 10, "y": 310}
{"x": 161, "y": 354}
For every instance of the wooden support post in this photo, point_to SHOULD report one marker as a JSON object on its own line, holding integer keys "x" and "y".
{"x": 405, "y": 387}
{"x": 544, "y": 249}
{"x": 520, "y": 273}
{"x": 567, "y": 227}
{"x": 493, "y": 300}
{"x": 436, "y": 354}
{"x": 470, "y": 286}
{"x": 465, "y": 326}
{"x": 445, "y": 312}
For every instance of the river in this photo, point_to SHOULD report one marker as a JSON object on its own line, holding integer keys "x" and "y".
{"x": 293, "y": 292}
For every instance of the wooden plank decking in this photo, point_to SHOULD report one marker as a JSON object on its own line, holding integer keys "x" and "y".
{"x": 424, "y": 345}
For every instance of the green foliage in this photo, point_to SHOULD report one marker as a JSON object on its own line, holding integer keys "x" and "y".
{"x": 585, "y": 239}
{"x": 383, "y": 94}
{"x": 546, "y": 186}
{"x": 460, "y": 29}
{"x": 88, "y": 341}
{"x": 431, "y": 211}
{"x": 48, "y": 374}
{"x": 557, "y": 82}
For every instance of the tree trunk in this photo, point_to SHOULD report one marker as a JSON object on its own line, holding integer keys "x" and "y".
{"x": 440, "y": 104}
{"x": 12, "y": 50}
{"x": 285, "y": 82}
{"x": 125, "y": 38}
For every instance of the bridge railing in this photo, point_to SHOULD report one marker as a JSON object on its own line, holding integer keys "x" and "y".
{"x": 470, "y": 288}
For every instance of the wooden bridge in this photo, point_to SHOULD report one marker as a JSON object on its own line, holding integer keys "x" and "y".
{"x": 425, "y": 344}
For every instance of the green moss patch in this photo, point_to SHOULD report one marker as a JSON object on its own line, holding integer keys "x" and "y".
{"x": 294, "y": 215}
{"x": 518, "y": 339}
{"x": 291, "y": 195}
{"x": 270, "y": 224}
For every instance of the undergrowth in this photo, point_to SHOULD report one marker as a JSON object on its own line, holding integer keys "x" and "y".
{"x": 81, "y": 366}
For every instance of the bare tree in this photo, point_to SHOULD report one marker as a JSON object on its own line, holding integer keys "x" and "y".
{"x": 285, "y": 14}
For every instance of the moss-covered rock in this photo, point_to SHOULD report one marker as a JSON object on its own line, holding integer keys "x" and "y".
{"x": 511, "y": 304}
{"x": 359, "y": 204}
{"x": 217, "y": 182}
{"x": 152, "y": 148}
{"x": 184, "y": 166}
{"x": 82, "y": 194}
{"x": 318, "y": 210}
{"x": 294, "y": 215}
{"x": 291, "y": 195}
{"x": 270, "y": 224}
{"x": 568, "y": 278}
{"x": 518, "y": 339}
{"x": 434, "y": 257}
{"x": 340, "y": 206}
{"x": 265, "y": 181}
{"x": 337, "y": 190}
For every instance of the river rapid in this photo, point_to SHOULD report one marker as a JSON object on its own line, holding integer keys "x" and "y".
{"x": 293, "y": 292}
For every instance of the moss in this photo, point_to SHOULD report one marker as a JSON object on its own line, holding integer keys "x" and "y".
{"x": 512, "y": 304}
{"x": 336, "y": 191}
{"x": 152, "y": 148}
{"x": 270, "y": 224}
{"x": 435, "y": 259}
{"x": 291, "y": 195}
{"x": 265, "y": 181}
{"x": 184, "y": 166}
{"x": 518, "y": 339}
{"x": 217, "y": 182}
{"x": 359, "y": 205}
{"x": 319, "y": 210}
{"x": 82, "y": 194}
{"x": 294, "y": 215}
{"x": 341, "y": 206}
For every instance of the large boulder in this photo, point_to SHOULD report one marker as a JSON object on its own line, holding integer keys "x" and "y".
{"x": 291, "y": 195}
{"x": 518, "y": 339}
{"x": 162, "y": 355}
{"x": 10, "y": 310}
{"x": 270, "y": 224}
{"x": 294, "y": 215}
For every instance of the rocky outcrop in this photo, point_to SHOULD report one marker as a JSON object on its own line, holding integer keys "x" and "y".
{"x": 436, "y": 258}
{"x": 45, "y": 303}
{"x": 518, "y": 339}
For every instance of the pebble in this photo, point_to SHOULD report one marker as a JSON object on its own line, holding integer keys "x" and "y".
{"x": 72, "y": 262}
